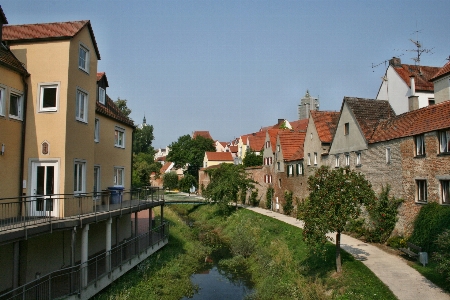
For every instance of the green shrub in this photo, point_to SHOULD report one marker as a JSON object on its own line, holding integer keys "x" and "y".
{"x": 254, "y": 201}
{"x": 442, "y": 254}
{"x": 356, "y": 226}
{"x": 396, "y": 242}
{"x": 269, "y": 197}
{"x": 288, "y": 207}
{"x": 242, "y": 195}
{"x": 432, "y": 220}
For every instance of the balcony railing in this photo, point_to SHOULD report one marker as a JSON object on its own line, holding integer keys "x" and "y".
{"x": 25, "y": 212}
{"x": 72, "y": 280}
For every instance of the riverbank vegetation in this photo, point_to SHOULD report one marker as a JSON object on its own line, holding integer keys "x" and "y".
{"x": 271, "y": 252}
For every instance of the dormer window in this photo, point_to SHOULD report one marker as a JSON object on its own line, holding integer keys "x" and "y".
{"x": 101, "y": 95}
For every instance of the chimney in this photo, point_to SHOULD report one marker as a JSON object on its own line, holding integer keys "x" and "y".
{"x": 413, "y": 85}
{"x": 280, "y": 121}
{"x": 395, "y": 62}
{"x": 413, "y": 103}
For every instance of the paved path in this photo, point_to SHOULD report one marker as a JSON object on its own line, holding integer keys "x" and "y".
{"x": 405, "y": 282}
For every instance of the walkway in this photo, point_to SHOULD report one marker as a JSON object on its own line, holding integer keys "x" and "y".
{"x": 405, "y": 282}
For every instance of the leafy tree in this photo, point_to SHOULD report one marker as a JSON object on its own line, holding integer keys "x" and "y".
{"x": 226, "y": 182}
{"x": 170, "y": 180}
{"x": 122, "y": 105}
{"x": 335, "y": 198}
{"x": 143, "y": 166}
{"x": 189, "y": 151}
{"x": 251, "y": 159}
{"x": 142, "y": 140}
{"x": 187, "y": 182}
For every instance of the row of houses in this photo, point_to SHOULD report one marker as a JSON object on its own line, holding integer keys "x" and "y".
{"x": 401, "y": 139}
{"x": 63, "y": 141}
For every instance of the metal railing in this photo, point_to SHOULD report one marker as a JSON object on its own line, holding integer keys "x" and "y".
{"x": 23, "y": 212}
{"x": 72, "y": 280}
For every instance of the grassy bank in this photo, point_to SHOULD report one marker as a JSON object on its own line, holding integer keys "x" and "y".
{"x": 271, "y": 251}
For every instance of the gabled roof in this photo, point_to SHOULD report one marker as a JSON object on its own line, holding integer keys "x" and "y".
{"x": 255, "y": 140}
{"x": 2, "y": 16}
{"x": 299, "y": 125}
{"x": 326, "y": 123}
{"x": 161, "y": 158}
{"x": 445, "y": 70}
{"x": 15, "y": 34}
{"x": 368, "y": 113}
{"x": 290, "y": 142}
{"x": 8, "y": 60}
{"x": 426, "y": 119}
{"x": 422, "y": 75}
{"x": 233, "y": 149}
{"x": 299, "y": 154}
{"x": 102, "y": 76}
{"x": 112, "y": 111}
{"x": 219, "y": 156}
{"x": 166, "y": 167}
{"x": 272, "y": 133}
{"x": 204, "y": 134}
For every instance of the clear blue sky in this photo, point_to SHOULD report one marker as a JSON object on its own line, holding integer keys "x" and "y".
{"x": 231, "y": 67}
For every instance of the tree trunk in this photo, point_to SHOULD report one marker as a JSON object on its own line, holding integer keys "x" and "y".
{"x": 338, "y": 252}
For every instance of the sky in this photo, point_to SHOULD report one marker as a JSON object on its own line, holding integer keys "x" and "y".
{"x": 232, "y": 67}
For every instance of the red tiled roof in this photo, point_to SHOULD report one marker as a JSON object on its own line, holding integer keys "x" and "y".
{"x": 368, "y": 113}
{"x": 46, "y": 31}
{"x": 102, "y": 75}
{"x": 273, "y": 137}
{"x": 161, "y": 158}
{"x": 326, "y": 123}
{"x": 422, "y": 74}
{"x": 233, "y": 149}
{"x": 290, "y": 142}
{"x": 165, "y": 167}
{"x": 112, "y": 111}
{"x": 256, "y": 140}
{"x": 298, "y": 155}
{"x": 204, "y": 134}
{"x": 445, "y": 70}
{"x": 219, "y": 156}
{"x": 2, "y": 16}
{"x": 427, "y": 119}
{"x": 299, "y": 125}
{"x": 8, "y": 60}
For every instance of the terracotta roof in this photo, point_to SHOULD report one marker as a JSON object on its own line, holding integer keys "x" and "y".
{"x": 299, "y": 154}
{"x": 273, "y": 137}
{"x": 255, "y": 140}
{"x": 165, "y": 167}
{"x": 233, "y": 149}
{"x": 219, "y": 156}
{"x": 161, "y": 158}
{"x": 290, "y": 142}
{"x": 300, "y": 125}
{"x": 326, "y": 123}
{"x": 204, "y": 134}
{"x": 15, "y": 34}
{"x": 2, "y": 16}
{"x": 8, "y": 60}
{"x": 368, "y": 113}
{"x": 445, "y": 70}
{"x": 112, "y": 111}
{"x": 422, "y": 74}
{"x": 427, "y": 119}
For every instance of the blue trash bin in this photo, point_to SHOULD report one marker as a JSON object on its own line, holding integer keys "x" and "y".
{"x": 116, "y": 194}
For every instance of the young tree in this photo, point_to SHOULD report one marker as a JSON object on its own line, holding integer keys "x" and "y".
{"x": 143, "y": 166}
{"x": 335, "y": 198}
{"x": 187, "y": 182}
{"x": 142, "y": 140}
{"x": 122, "y": 105}
{"x": 226, "y": 182}
{"x": 170, "y": 180}
{"x": 251, "y": 159}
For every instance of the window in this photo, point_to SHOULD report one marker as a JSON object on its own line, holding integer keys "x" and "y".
{"x": 97, "y": 130}
{"x": 101, "y": 95}
{"x": 97, "y": 185}
{"x": 118, "y": 176}
{"x": 267, "y": 144}
{"x": 388, "y": 155}
{"x": 2, "y": 101}
{"x": 431, "y": 101}
{"x": 421, "y": 190}
{"x": 346, "y": 128}
{"x": 419, "y": 141}
{"x": 315, "y": 158}
{"x": 309, "y": 159}
{"x": 48, "y": 96}
{"x": 278, "y": 166}
{"x": 336, "y": 161}
{"x": 279, "y": 182}
{"x": 300, "y": 169}
{"x": 15, "y": 106}
{"x": 290, "y": 170}
{"x": 445, "y": 191}
{"x": 81, "y": 109}
{"x": 347, "y": 159}
{"x": 119, "y": 137}
{"x": 268, "y": 178}
{"x": 444, "y": 141}
{"x": 79, "y": 177}
{"x": 278, "y": 148}
{"x": 83, "y": 59}
{"x": 358, "y": 159}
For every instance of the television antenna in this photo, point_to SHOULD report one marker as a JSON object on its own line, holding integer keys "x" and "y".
{"x": 383, "y": 62}
{"x": 419, "y": 49}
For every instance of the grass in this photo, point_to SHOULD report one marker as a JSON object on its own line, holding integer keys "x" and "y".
{"x": 430, "y": 272}
{"x": 272, "y": 252}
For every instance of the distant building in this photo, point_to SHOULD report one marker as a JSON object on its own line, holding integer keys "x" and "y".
{"x": 307, "y": 103}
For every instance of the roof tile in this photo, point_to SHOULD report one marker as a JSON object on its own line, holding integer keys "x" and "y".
{"x": 219, "y": 156}
{"x": 204, "y": 134}
{"x": 326, "y": 123}
{"x": 112, "y": 111}
{"x": 422, "y": 75}
{"x": 445, "y": 70}
{"x": 291, "y": 142}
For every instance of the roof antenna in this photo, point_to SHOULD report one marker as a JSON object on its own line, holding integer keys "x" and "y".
{"x": 419, "y": 50}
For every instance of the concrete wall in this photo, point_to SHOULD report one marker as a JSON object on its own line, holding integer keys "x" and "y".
{"x": 442, "y": 89}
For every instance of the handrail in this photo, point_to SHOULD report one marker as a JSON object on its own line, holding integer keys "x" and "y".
{"x": 69, "y": 281}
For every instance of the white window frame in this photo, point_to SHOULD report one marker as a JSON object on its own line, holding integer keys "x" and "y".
{"x": 388, "y": 155}
{"x": 309, "y": 159}
{"x": 278, "y": 166}
{"x": 2, "y": 100}
{"x": 81, "y": 109}
{"x": 119, "y": 132}
{"x": 315, "y": 158}
{"x": 86, "y": 59}
{"x": 278, "y": 148}
{"x": 97, "y": 130}
{"x": 119, "y": 173}
{"x": 79, "y": 179}
{"x": 444, "y": 141}
{"x": 97, "y": 180}
{"x": 419, "y": 143}
{"x": 300, "y": 169}
{"x": 41, "y": 88}
{"x": 358, "y": 159}
{"x": 445, "y": 191}
{"x": 19, "y": 96}
{"x": 101, "y": 95}
{"x": 421, "y": 190}
{"x": 336, "y": 161}
{"x": 347, "y": 159}
{"x": 290, "y": 169}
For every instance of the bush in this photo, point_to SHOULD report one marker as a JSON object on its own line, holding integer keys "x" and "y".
{"x": 254, "y": 201}
{"x": 396, "y": 242}
{"x": 186, "y": 183}
{"x": 269, "y": 197}
{"x": 170, "y": 181}
{"x": 288, "y": 207}
{"x": 356, "y": 226}
{"x": 242, "y": 196}
{"x": 442, "y": 255}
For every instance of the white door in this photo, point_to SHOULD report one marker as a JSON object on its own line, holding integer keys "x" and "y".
{"x": 44, "y": 183}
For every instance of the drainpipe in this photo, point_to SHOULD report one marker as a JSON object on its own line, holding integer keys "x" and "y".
{"x": 22, "y": 148}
